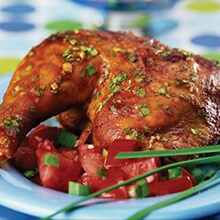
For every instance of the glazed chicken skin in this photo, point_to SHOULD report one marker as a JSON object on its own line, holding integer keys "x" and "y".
{"x": 129, "y": 87}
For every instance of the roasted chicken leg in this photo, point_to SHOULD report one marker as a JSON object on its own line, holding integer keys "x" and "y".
{"x": 130, "y": 87}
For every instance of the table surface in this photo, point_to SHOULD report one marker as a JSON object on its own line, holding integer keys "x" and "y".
{"x": 189, "y": 24}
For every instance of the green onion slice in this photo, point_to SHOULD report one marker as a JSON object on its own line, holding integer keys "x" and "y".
{"x": 175, "y": 172}
{"x": 78, "y": 189}
{"x": 197, "y": 173}
{"x": 167, "y": 153}
{"x": 67, "y": 139}
{"x": 102, "y": 172}
{"x": 30, "y": 173}
{"x": 205, "y": 160}
{"x": 141, "y": 188}
{"x": 50, "y": 159}
{"x": 209, "y": 173}
{"x": 144, "y": 212}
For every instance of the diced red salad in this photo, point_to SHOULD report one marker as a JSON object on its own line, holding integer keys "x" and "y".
{"x": 56, "y": 159}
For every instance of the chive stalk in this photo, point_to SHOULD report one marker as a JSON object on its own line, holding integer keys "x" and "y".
{"x": 167, "y": 153}
{"x": 205, "y": 160}
{"x": 144, "y": 212}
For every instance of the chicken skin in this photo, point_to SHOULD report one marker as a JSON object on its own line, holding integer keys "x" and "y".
{"x": 129, "y": 87}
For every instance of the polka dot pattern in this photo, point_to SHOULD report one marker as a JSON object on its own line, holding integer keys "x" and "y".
{"x": 203, "y": 6}
{"x": 8, "y": 65}
{"x": 18, "y": 9}
{"x": 162, "y": 26}
{"x": 213, "y": 56}
{"x": 210, "y": 41}
{"x": 14, "y": 26}
{"x": 63, "y": 25}
{"x": 191, "y": 25}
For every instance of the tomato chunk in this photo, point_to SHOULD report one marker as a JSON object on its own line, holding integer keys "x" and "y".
{"x": 70, "y": 153}
{"x": 25, "y": 158}
{"x": 114, "y": 176}
{"x": 41, "y": 133}
{"x": 57, "y": 177}
{"x": 119, "y": 145}
{"x": 94, "y": 182}
{"x": 171, "y": 186}
{"x": 137, "y": 167}
{"x": 90, "y": 159}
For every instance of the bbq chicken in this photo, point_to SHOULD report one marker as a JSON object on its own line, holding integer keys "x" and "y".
{"x": 126, "y": 86}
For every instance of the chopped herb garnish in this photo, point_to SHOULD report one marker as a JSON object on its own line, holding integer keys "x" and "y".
{"x": 144, "y": 111}
{"x": 192, "y": 89}
{"x": 217, "y": 63}
{"x": 83, "y": 73}
{"x": 66, "y": 53}
{"x": 138, "y": 77}
{"x": 186, "y": 99}
{"x": 168, "y": 110}
{"x": 106, "y": 72}
{"x": 164, "y": 139}
{"x": 196, "y": 132}
{"x": 193, "y": 78}
{"x": 113, "y": 108}
{"x": 165, "y": 53}
{"x": 38, "y": 92}
{"x": 90, "y": 50}
{"x": 33, "y": 111}
{"x": 73, "y": 41}
{"x": 99, "y": 106}
{"x": 178, "y": 82}
{"x": 98, "y": 94}
{"x": 118, "y": 50}
{"x": 120, "y": 78}
{"x": 136, "y": 73}
{"x": 67, "y": 67}
{"x": 114, "y": 87}
{"x": 202, "y": 111}
{"x": 50, "y": 159}
{"x": 162, "y": 91}
{"x": 166, "y": 84}
{"x": 11, "y": 124}
{"x": 90, "y": 70}
{"x": 132, "y": 57}
{"x": 29, "y": 67}
{"x": 140, "y": 92}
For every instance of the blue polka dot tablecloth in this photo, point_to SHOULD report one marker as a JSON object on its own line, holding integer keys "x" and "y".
{"x": 191, "y": 24}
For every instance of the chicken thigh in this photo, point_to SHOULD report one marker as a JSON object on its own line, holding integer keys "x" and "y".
{"x": 129, "y": 87}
